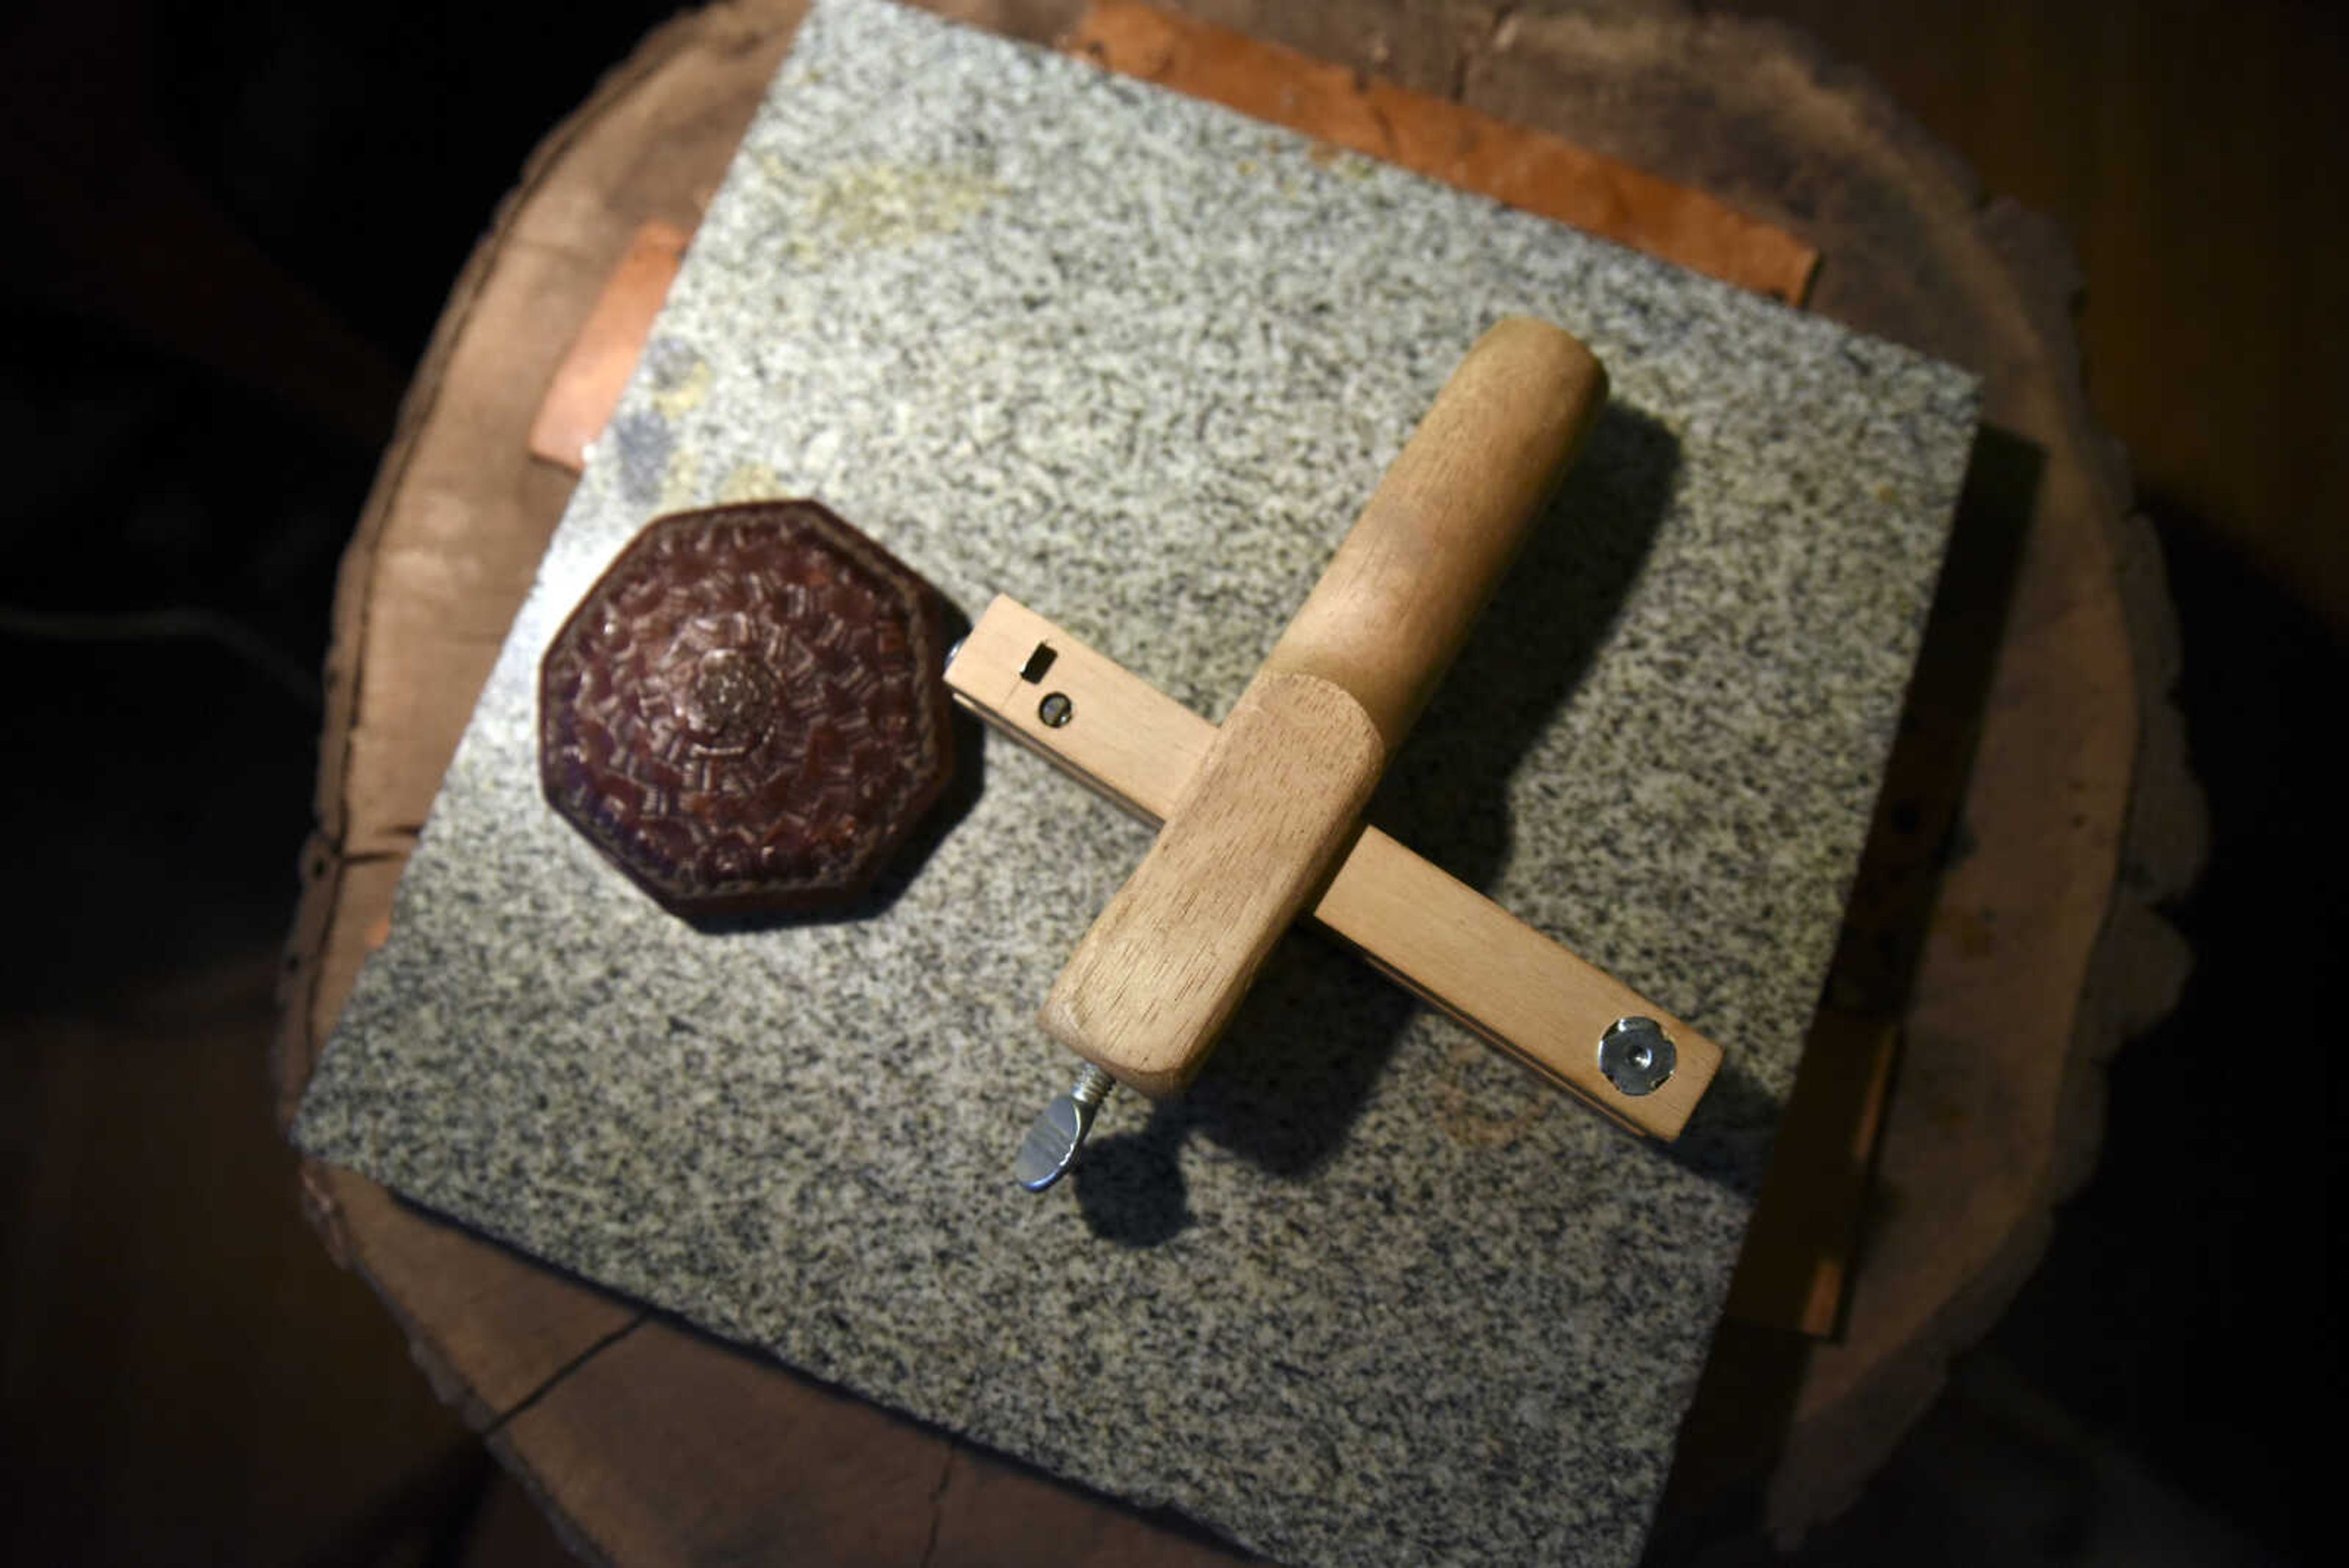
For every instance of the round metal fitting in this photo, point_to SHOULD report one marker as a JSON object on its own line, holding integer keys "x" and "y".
{"x": 1637, "y": 1055}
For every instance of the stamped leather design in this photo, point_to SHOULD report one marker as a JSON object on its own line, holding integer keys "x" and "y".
{"x": 746, "y": 712}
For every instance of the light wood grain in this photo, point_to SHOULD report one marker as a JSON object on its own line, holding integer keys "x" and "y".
{"x": 1267, "y": 809}
{"x": 1410, "y": 578}
{"x": 1122, "y": 736}
{"x": 1273, "y": 805}
{"x": 1450, "y": 945}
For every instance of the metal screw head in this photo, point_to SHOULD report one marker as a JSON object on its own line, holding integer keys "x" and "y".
{"x": 1059, "y": 1131}
{"x": 1637, "y": 1055}
{"x": 1056, "y": 709}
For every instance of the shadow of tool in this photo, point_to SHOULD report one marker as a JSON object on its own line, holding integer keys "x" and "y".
{"x": 1318, "y": 1027}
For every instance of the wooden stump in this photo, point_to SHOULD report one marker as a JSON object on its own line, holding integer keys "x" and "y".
{"x": 2010, "y": 968}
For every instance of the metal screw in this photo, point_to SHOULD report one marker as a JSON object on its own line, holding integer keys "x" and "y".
{"x": 1056, "y": 709}
{"x": 1637, "y": 1055}
{"x": 1053, "y": 1139}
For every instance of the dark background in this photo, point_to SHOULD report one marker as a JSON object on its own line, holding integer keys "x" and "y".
{"x": 227, "y": 233}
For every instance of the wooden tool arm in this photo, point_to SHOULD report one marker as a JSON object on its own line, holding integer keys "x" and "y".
{"x": 1276, "y": 799}
{"x": 1455, "y": 949}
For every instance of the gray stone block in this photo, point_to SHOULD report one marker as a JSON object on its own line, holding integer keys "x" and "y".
{"x": 1368, "y": 1294}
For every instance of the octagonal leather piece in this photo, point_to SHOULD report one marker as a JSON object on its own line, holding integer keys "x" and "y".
{"x": 747, "y": 713}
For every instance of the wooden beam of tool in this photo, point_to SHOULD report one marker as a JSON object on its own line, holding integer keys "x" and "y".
{"x": 1440, "y": 937}
{"x": 1272, "y": 807}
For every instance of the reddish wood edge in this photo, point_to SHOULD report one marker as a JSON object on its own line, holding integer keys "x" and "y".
{"x": 1446, "y": 140}
{"x": 588, "y": 384}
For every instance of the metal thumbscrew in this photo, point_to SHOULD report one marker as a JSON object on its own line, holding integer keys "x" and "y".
{"x": 1637, "y": 1055}
{"x": 1052, "y": 1141}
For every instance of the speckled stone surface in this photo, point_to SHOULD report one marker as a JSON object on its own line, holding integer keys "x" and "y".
{"x": 1368, "y": 1294}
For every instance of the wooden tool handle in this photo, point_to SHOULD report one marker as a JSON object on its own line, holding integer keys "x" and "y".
{"x": 1275, "y": 801}
{"x": 1411, "y": 575}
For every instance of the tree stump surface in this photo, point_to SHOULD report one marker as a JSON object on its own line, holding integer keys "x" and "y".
{"x": 2002, "y": 930}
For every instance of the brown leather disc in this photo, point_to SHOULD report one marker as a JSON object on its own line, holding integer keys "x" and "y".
{"x": 747, "y": 713}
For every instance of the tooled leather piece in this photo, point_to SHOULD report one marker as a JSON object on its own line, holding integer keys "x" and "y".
{"x": 747, "y": 713}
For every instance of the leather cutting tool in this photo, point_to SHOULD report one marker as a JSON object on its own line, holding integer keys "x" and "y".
{"x": 1260, "y": 817}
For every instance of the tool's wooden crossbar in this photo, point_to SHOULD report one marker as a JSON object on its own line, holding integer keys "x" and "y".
{"x": 1443, "y": 941}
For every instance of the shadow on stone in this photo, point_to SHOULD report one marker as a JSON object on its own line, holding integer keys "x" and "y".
{"x": 1130, "y": 1187}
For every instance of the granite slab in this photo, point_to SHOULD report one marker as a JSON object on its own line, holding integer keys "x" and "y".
{"x": 1368, "y": 1294}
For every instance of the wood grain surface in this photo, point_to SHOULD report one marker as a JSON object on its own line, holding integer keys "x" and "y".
{"x": 1267, "y": 811}
{"x": 1450, "y": 514}
{"x": 2052, "y": 662}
